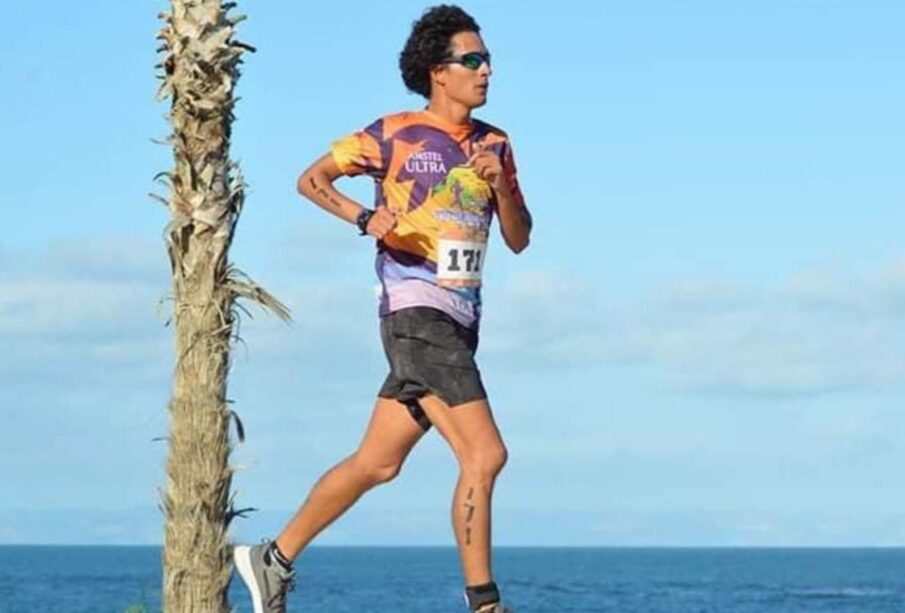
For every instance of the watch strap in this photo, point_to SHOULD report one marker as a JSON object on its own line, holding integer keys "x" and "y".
{"x": 362, "y": 220}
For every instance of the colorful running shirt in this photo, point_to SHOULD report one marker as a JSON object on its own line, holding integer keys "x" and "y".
{"x": 435, "y": 255}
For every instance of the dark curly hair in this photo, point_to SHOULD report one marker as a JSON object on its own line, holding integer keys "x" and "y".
{"x": 428, "y": 44}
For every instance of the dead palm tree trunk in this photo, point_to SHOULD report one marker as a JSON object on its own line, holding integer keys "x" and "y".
{"x": 199, "y": 73}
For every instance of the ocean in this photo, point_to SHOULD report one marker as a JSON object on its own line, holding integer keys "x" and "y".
{"x": 415, "y": 579}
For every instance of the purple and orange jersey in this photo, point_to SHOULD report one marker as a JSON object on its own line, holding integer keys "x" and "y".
{"x": 435, "y": 254}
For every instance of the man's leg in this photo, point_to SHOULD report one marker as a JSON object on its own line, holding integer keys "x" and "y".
{"x": 475, "y": 440}
{"x": 391, "y": 434}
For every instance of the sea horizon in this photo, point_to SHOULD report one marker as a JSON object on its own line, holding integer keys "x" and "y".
{"x": 535, "y": 579}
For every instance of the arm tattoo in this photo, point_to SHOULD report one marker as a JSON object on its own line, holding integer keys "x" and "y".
{"x": 324, "y": 194}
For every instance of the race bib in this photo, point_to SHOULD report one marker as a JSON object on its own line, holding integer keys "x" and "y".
{"x": 460, "y": 262}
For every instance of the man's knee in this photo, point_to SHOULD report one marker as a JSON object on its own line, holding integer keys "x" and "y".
{"x": 376, "y": 471}
{"x": 485, "y": 462}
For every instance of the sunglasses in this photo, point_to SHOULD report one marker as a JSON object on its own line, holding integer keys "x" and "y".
{"x": 472, "y": 60}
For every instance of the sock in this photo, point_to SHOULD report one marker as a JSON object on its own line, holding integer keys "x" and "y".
{"x": 273, "y": 553}
{"x": 478, "y": 596}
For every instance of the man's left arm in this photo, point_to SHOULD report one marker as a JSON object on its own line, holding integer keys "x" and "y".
{"x": 515, "y": 219}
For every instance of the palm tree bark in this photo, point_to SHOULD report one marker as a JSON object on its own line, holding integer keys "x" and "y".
{"x": 199, "y": 71}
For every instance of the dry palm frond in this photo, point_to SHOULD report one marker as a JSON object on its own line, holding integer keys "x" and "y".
{"x": 241, "y": 286}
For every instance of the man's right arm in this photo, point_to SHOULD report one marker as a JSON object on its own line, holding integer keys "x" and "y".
{"x": 316, "y": 184}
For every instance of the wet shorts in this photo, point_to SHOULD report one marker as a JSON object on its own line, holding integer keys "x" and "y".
{"x": 429, "y": 353}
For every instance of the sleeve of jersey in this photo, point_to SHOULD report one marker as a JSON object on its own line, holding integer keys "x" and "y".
{"x": 360, "y": 152}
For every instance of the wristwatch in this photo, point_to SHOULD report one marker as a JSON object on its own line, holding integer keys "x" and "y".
{"x": 362, "y": 220}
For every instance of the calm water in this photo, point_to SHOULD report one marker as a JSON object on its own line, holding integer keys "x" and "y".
{"x": 365, "y": 579}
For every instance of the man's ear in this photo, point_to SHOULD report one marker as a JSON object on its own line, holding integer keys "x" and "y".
{"x": 438, "y": 75}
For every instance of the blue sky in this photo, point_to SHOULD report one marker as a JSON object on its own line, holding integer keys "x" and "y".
{"x": 702, "y": 346}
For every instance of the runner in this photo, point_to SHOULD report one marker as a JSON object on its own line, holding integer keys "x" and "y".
{"x": 440, "y": 175}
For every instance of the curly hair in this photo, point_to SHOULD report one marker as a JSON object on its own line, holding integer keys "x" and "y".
{"x": 428, "y": 44}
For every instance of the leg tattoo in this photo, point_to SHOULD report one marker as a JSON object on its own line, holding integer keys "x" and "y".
{"x": 470, "y": 514}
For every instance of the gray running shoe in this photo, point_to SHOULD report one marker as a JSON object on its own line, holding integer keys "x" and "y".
{"x": 268, "y": 583}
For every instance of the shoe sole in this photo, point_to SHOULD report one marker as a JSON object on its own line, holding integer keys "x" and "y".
{"x": 242, "y": 558}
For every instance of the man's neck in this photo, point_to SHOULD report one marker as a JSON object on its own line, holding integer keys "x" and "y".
{"x": 450, "y": 111}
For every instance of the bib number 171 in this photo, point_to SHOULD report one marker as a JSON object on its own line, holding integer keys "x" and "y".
{"x": 460, "y": 261}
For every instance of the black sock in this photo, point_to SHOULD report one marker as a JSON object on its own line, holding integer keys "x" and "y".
{"x": 273, "y": 553}
{"x": 478, "y": 596}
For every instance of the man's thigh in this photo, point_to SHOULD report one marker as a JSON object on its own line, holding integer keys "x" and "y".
{"x": 464, "y": 426}
{"x": 391, "y": 433}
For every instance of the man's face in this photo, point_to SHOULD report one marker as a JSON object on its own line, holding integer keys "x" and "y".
{"x": 461, "y": 83}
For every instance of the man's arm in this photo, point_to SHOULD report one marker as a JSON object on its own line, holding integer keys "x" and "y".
{"x": 316, "y": 184}
{"x": 515, "y": 219}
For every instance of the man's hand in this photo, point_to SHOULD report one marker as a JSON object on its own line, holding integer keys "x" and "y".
{"x": 489, "y": 167}
{"x": 382, "y": 222}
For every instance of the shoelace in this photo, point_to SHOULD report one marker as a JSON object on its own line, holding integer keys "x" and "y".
{"x": 286, "y": 585}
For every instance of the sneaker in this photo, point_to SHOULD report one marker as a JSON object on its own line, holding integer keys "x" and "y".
{"x": 268, "y": 583}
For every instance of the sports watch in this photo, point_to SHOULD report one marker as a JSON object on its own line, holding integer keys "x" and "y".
{"x": 362, "y": 220}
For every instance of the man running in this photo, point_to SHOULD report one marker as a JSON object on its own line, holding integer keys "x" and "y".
{"x": 440, "y": 175}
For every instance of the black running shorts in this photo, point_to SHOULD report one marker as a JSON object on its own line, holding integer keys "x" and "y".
{"x": 429, "y": 353}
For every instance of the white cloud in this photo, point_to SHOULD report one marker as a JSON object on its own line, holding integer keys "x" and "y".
{"x": 40, "y": 308}
{"x": 88, "y": 363}
{"x": 819, "y": 332}
{"x": 541, "y": 316}
{"x": 72, "y": 309}
{"x": 98, "y": 304}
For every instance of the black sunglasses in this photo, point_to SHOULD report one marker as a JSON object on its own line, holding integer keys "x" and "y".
{"x": 472, "y": 60}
